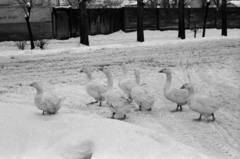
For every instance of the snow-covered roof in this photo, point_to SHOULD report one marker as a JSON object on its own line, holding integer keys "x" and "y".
{"x": 62, "y": 6}
{"x": 235, "y": 3}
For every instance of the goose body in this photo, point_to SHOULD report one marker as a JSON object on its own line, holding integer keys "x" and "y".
{"x": 115, "y": 99}
{"x": 141, "y": 96}
{"x": 46, "y": 102}
{"x": 175, "y": 95}
{"x": 201, "y": 104}
{"x": 94, "y": 89}
{"x": 126, "y": 84}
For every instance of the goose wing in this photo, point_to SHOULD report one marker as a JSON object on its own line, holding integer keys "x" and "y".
{"x": 94, "y": 86}
{"x": 180, "y": 93}
{"x": 142, "y": 94}
{"x": 127, "y": 85}
{"x": 51, "y": 100}
{"x": 116, "y": 99}
{"x": 206, "y": 104}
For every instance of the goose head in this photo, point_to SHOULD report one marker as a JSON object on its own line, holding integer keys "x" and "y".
{"x": 165, "y": 70}
{"x": 35, "y": 85}
{"x": 187, "y": 86}
{"x": 105, "y": 69}
{"x": 85, "y": 70}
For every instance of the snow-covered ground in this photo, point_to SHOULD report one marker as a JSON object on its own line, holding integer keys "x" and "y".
{"x": 80, "y": 131}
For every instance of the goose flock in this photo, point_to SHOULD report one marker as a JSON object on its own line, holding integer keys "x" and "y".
{"x": 121, "y": 101}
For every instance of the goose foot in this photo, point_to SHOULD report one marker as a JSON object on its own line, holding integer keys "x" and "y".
{"x": 180, "y": 108}
{"x": 43, "y": 112}
{"x": 150, "y": 109}
{"x": 199, "y": 119}
{"x": 92, "y": 103}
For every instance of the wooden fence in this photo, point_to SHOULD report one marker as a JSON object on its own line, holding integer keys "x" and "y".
{"x": 106, "y": 21}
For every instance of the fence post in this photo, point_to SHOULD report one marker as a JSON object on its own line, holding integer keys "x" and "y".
{"x": 53, "y": 23}
{"x": 157, "y": 19}
{"x": 70, "y": 21}
{"x": 123, "y": 27}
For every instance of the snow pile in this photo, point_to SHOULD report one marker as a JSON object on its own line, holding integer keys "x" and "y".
{"x": 25, "y": 133}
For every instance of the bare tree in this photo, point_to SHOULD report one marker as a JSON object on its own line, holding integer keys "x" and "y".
{"x": 181, "y": 18}
{"x": 84, "y": 31}
{"x": 140, "y": 34}
{"x": 83, "y": 18}
{"x": 224, "y": 18}
{"x": 27, "y": 7}
{"x": 205, "y": 17}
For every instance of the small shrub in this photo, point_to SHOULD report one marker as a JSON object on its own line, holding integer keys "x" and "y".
{"x": 21, "y": 44}
{"x": 41, "y": 43}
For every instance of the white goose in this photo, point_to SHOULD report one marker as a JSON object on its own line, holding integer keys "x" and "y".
{"x": 94, "y": 89}
{"x": 175, "y": 95}
{"x": 204, "y": 105}
{"x": 116, "y": 100}
{"x": 49, "y": 103}
{"x": 141, "y": 96}
{"x": 126, "y": 84}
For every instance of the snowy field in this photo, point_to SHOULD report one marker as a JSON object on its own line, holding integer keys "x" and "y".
{"x": 79, "y": 131}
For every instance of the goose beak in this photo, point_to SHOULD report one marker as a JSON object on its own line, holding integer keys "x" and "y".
{"x": 183, "y": 87}
{"x": 160, "y": 71}
{"x": 31, "y": 85}
{"x": 81, "y": 71}
{"x": 101, "y": 68}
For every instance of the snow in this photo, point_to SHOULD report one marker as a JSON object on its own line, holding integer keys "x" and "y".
{"x": 235, "y": 3}
{"x": 80, "y": 131}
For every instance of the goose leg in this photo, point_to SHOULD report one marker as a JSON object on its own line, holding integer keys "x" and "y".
{"x": 199, "y": 119}
{"x": 180, "y": 107}
{"x": 92, "y": 103}
{"x": 175, "y": 109}
{"x": 113, "y": 115}
{"x": 43, "y": 112}
{"x": 213, "y": 118}
{"x": 100, "y": 103}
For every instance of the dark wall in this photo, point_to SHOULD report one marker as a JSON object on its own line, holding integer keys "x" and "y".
{"x": 18, "y": 31}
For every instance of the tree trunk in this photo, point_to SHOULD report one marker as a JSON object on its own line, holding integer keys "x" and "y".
{"x": 30, "y": 32}
{"x": 205, "y": 19}
{"x": 84, "y": 24}
{"x": 181, "y": 21}
{"x": 140, "y": 34}
{"x": 224, "y": 18}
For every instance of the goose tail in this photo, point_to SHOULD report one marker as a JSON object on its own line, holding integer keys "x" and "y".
{"x": 61, "y": 101}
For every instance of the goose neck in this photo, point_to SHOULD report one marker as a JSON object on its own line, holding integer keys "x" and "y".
{"x": 124, "y": 68}
{"x": 168, "y": 81}
{"x": 39, "y": 90}
{"x": 89, "y": 76}
{"x": 191, "y": 91}
{"x": 110, "y": 80}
